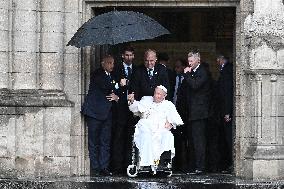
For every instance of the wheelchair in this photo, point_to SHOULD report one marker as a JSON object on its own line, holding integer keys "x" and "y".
{"x": 163, "y": 166}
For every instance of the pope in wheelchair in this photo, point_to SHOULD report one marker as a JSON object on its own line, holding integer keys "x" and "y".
{"x": 152, "y": 136}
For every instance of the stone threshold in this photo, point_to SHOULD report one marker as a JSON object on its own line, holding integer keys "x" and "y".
{"x": 178, "y": 181}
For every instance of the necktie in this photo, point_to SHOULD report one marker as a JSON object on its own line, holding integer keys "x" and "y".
{"x": 109, "y": 77}
{"x": 129, "y": 71}
{"x": 150, "y": 73}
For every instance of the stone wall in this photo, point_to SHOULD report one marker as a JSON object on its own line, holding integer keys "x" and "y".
{"x": 259, "y": 98}
{"x": 35, "y": 129}
{"x": 41, "y": 133}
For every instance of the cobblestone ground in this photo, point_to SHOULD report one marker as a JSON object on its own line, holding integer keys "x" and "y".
{"x": 177, "y": 181}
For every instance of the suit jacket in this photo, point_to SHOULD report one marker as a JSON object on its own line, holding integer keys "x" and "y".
{"x": 121, "y": 107}
{"x": 142, "y": 85}
{"x": 172, "y": 82}
{"x": 198, "y": 92}
{"x": 96, "y": 104}
{"x": 181, "y": 103}
{"x": 225, "y": 90}
{"x": 119, "y": 74}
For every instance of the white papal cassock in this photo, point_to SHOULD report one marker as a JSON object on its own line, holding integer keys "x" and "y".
{"x": 151, "y": 137}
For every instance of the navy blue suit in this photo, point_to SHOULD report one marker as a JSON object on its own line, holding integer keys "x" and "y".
{"x": 123, "y": 123}
{"x": 98, "y": 112}
{"x": 142, "y": 85}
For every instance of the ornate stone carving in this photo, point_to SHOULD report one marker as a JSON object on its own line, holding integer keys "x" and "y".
{"x": 263, "y": 57}
{"x": 264, "y": 30}
{"x": 267, "y": 19}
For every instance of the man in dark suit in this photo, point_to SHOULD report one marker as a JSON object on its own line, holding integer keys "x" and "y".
{"x": 197, "y": 80}
{"x": 124, "y": 121}
{"x": 97, "y": 109}
{"x": 180, "y": 161}
{"x": 163, "y": 59}
{"x": 149, "y": 76}
{"x": 225, "y": 106}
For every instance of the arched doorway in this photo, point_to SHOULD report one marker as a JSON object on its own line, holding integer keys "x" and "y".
{"x": 207, "y": 27}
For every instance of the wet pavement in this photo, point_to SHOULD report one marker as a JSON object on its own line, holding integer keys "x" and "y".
{"x": 177, "y": 181}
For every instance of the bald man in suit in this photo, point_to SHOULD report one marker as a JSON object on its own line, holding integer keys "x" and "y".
{"x": 149, "y": 76}
{"x": 97, "y": 109}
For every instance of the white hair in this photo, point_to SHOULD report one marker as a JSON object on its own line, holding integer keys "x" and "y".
{"x": 163, "y": 88}
{"x": 194, "y": 54}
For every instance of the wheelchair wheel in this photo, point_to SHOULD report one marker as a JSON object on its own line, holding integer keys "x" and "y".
{"x": 132, "y": 170}
{"x": 169, "y": 174}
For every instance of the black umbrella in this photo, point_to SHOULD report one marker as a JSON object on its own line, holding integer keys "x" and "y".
{"x": 117, "y": 27}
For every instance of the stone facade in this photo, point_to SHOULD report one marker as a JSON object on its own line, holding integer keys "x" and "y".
{"x": 260, "y": 117}
{"x": 40, "y": 90}
{"x": 42, "y": 84}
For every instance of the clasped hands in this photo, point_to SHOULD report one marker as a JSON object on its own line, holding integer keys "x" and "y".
{"x": 227, "y": 118}
{"x": 130, "y": 98}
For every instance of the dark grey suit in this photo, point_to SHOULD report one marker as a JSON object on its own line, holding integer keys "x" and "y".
{"x": 225, "y": 107}
{"x": 198, "y": 85}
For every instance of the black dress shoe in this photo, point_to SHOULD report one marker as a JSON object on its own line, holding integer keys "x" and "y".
{"x": 199, "y": 172}
{"x": 105, "y": 172}
{"x": 195, "y": 172}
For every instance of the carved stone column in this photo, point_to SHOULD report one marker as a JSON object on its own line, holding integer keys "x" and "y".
{"x": 25, "y": 44}
{"x": 52, "y": 44}
{"x": 4, "y": 45}
{"x": 264, "y": 31}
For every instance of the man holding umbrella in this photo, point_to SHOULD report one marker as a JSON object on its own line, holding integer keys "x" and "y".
{"x": 124, "y": 120}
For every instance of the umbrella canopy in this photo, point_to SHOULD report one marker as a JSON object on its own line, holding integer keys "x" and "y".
{"x": 117, "y": 27}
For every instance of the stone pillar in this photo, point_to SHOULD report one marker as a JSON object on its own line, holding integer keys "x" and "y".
{"x": 73, "y": 87}
{"x": 4, "y": 45}
{"x": 25, "y": 44}
{"x": 52, "y": 44}
{"x": 264, "y": 31}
